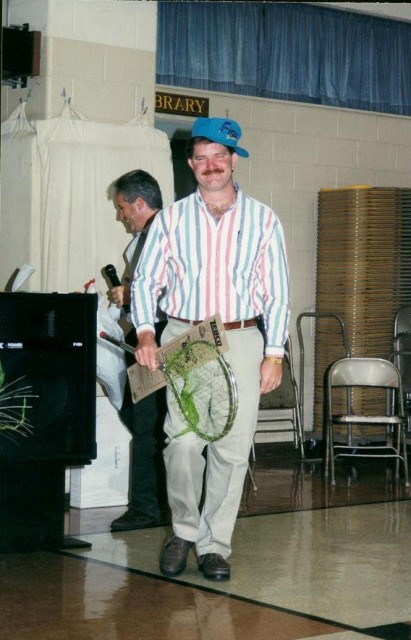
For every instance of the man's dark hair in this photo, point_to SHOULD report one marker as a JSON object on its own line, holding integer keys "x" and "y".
{"x": 193, "y": 141}
{"x": 136, "y": 184}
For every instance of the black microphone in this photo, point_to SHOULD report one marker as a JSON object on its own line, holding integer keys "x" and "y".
{"x": 118, "y": 343}
{"x": 111, "y": 274}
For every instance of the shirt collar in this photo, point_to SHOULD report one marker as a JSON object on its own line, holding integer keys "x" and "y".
{"x": 200, "y": 199}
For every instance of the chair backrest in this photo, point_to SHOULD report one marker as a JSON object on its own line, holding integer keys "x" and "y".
{"x": 365, "y": 372}
{"x": 402, "y": 359}
{"x": 357, "y": 379}
{"x": 285, "y": 396}
{"x": 402, "y": 322}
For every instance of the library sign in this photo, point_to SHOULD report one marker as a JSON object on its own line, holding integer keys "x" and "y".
{"x": 181, "y": 105}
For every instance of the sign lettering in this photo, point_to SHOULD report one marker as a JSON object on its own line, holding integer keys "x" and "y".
{"x": 181, "y": 105}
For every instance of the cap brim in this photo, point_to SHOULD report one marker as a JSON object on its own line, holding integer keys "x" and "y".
{"x": 241, "y": 152}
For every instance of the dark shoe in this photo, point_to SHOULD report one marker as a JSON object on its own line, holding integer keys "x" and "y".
{"x": 214, "y": 566}
{"x": 173, "y": 559}
{"x": 133, "y": 519}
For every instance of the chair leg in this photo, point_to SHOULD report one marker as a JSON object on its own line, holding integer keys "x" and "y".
{"x": 330, "y": 453}
{"x": 251, "y": 475}
{"x": 327, "y": 451}
{"x": 405, "y": 455}
{"x": 300, "y": 434}
{"x": 253, "y": 456}
{"x": 393, "y": 440}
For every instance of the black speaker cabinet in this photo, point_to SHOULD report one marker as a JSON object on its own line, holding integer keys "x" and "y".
{"x": 48, "y": 359}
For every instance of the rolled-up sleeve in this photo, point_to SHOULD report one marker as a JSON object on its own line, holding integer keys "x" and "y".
{"x": 150, "y": 277}
{"x": 275, "y": 278}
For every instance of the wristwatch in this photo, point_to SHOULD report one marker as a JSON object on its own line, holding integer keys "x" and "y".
{"x": 276, "y": 360}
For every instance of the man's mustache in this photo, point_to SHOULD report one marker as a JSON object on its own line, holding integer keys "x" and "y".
{"x": 209, "y": 172}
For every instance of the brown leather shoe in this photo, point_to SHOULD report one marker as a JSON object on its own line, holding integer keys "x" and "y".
{"x": 132, "y": 519}
{"x": 173, "y": 559}
{"x": 214, "y": 566}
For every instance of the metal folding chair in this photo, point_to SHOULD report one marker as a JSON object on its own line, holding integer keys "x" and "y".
{"x": 402, "y": 322}
{"x": 283, "y": 399}
{"x": 342, "y": 348}
{"x": 401, "y": 355}
{"x": 349, "y": 382}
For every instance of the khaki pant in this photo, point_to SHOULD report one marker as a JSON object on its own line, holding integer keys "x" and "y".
{"x": 227, "y": 459}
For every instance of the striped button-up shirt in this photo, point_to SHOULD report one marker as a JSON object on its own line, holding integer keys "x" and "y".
{"x": 195, "y": 267}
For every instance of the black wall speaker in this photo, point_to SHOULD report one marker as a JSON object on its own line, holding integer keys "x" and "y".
{"x": 21, "y": 50}
{"x": 48, "y": 377}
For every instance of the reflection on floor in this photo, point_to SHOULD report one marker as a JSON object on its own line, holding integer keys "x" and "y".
{"x": 309, "y": 561}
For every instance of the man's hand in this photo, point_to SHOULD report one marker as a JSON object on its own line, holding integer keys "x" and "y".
{"x": 270, "y": 375}
{"x": 120, "y": 295}
{"x": 146, "y": 349}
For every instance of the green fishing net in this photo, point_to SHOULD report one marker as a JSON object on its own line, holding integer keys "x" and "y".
{"x": 204, "y": 389}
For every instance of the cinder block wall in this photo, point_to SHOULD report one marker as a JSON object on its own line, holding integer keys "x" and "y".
{"x": 101, "y": 53}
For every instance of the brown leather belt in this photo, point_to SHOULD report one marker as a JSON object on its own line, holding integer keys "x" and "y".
{"x": 228, "y": 326}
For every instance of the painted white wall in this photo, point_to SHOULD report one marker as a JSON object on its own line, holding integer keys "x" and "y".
{"x": 122, "y": 23}
{"x": 394, "y": 10}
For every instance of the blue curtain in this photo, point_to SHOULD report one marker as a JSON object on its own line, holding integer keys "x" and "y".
{"x": 209, "y": 45}
{"x": 288, "y": 51}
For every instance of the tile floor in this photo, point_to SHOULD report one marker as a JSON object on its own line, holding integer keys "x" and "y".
{"x": 309, "y": 561}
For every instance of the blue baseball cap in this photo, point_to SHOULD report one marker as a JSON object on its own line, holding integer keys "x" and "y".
{"x": 221, "y": 130}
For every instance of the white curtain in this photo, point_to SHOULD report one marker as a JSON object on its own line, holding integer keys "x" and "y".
{"x": 56, "y": 215}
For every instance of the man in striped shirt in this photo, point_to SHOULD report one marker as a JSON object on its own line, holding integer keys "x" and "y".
{"x": 216, "y": 250}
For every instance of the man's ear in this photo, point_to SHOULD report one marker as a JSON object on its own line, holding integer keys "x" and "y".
{"x": 139, "y": 202}
{"x": 234, "y": 159}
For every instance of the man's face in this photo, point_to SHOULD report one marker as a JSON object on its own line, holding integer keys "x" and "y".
{"x": 212, "y": 164}
{"x": 132, "y": 214}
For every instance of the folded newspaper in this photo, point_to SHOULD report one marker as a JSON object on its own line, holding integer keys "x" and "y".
{"x": 143, "y": 381}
